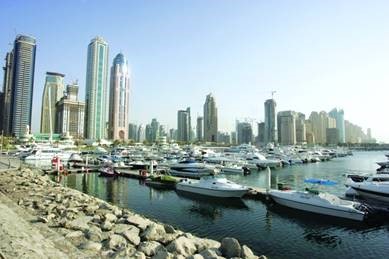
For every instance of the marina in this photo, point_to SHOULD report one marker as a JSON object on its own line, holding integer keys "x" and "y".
{"x": 267, "y": 227}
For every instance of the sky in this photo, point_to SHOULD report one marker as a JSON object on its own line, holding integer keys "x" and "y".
{"x": 316, "y": 55}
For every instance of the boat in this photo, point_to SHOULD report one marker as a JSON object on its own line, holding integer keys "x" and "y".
{"x": 374, "y": 187}
{"x": 161, "y": 182}
{"x": 215, "y": 186}
{"x": 42, "y": 156}
{"x": 319, "y": 203}
{"x": 191, "y": 169}
{"x": 108, "y": 171}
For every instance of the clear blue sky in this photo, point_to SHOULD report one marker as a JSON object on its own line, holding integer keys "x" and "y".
{"x": 316, "y": 54}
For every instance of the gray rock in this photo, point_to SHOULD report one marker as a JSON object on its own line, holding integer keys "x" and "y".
{"x": 110, "y": 217}
{"x": 162, "y": 254}
{"x": 106, "y": 226}
{"x": 183, "y": 246}
{"x": 230, "y": 247}
{"x": 211, "y": 253}
{"x": 117, "y": 242}
{"x": 58, "y": 198}
{"x": 81, "y": 223}
{"x": 153, "y": 232}
{"x": 137, "y": 255}
{"x": 169, "y": 229}
{"x": 247, "y": 253}
{"x": 91, "y": 246}
{"x": 150, "y": 248}
{"x": 42, "y": 219}
{"x": 196, "y": 256}
{"x": 132, "y": 235}
{"x": 75, "y": 237}
{"x": 120, "y": 228}
{"x": 204, "y": 243}
{"x": 138, "y": 221}
{"x": 90, "y": 210}
{"x": 94, "y": 234}
{"x": 117, "y": 212}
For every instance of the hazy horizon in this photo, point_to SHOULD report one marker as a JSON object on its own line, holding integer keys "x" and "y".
{"x": 315, "y": 55}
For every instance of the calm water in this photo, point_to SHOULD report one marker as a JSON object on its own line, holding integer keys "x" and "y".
{"x": 268, "y": 229}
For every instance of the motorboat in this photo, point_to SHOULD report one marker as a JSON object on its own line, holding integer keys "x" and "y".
{"x": 319, "y": 203}
{"x": 42, "y": 157}
{"x": 216, "y": 186}
{"x": 191, "y": 169}
{"x": 374, "y": 186}
{"x": 108, "y": 171}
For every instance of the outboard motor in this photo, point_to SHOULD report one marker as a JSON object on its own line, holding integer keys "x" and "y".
{"x": 246, "y": 170}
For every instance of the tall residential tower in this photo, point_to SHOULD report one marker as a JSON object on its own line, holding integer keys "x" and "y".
{"x": 210, "y": 119}
{"x": 270, "y": 121}
{"x": 119, "y": 99}
{"x": 96, "y": 89}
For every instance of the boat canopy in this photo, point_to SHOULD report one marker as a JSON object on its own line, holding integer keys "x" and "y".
{"x": 319, "y": 181}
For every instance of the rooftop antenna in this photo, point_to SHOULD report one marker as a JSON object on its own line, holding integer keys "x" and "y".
{"x": 272, "y": 94}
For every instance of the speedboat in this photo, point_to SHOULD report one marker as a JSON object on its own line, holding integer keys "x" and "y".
{"x": 192, "y": 169}
{"x": 320, "y": 203}
{"x": 374, "y": 187}
{"x": 108, "y": 171}
{"x": 216, "y": 186}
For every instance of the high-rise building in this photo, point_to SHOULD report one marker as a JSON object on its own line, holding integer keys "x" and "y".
{"x": 261, "y": 133}
{"x": 354, "y": 133}
{"x": 199, "y": 128}
{"x": 270, "y": 121}
{"x": 244, "y": 132}
{"x": 70, "y": 113}
{"x": 309, "y": 132}
{"x": 301, "y": 132}
{"x": 52, "y": 93}
{"x": 22, "y": 85}
{"x": 184, "y": 125}
{"x": 133, "y": 132}
{"x": 7, "y": 94}
{"x": 286, "y": 121}
{"x": 154, "y": 133}
{"x": 119, "y": 98}
{"x": 234, "y": 140}
{"x": 96, "y": 89}
{"x": 210, "y": 119}
{"x": 141, "y": 136}
{"x": 320, "y": 122}
{"x": 332, "y": 136}
{"x": 338, "y": 115}
{"x": 224, "y": 138}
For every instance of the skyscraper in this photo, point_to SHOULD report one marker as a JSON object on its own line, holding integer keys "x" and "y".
{"x": 210, "y": 119}
{"x": 338, "y": 115}
{"x": 96, "y": 89}
{"x": 301, "y": 131}
{"x": 52, "y": 93}
{"x": 22, "y": 85}
{"x": 154, "y": 130}
{"x": 270, "y": 121}
{"x": 184, "y": 125}
{"x": 7, "y": 94}
{"x": 199, "y": 128}
{"x": 70, "y": 113}
{"x": 245, "y": 133}
{"x": 286, "y": 121}
{"x": 119, "y": 98}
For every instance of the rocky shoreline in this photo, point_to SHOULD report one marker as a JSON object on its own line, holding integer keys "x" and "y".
{"x": 99, "y": 229}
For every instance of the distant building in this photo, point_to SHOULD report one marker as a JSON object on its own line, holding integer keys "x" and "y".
{"x": 154, "y": 130}
{"x": 310, "y": 137}
{"x": 162, "y": 131}
{"x": 286, "y": 121}
{"x": 210, "y": 119}
{"x": 172, "y": 134}
{"x": 148, "y": 133}
{"x": 7, "y": 94}
{"x": 1, "y": 113}
{"x": 119, "y": 99}
{"x": 320, "y": 122}
{"x": 199, "y": 128}
{"x": 261, "y": 133}
{"x": 332, "y": 136}
{"x": 224, "y": 138}
{"x": 270, "y": 121}
{"x": 52, "y": 93}
{"x": 22, "y": 84}
{"x": 133, "y": 132}
{"x": 70, "y": 113}
{"x": 184, "y": 125}
{"x": 338, "y": 115}
{"x": 96, "y": 94}
{"x": 301, "y": 131}
{"x": 245, "y": 133}
{"x": 354, "y": 133}
{"x": 141, "y": 136}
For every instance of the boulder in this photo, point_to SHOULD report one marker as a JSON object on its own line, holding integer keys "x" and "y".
{"x": 196, "y": 256}
{"x": 163, "y": 254}
{"x": 153, "y": 232}
{"x": 247, "y": 253}
{"x": 110, "y": 217}
{"x": 75, "y": 237}
{"x": 137, "y": 255}
{"x": 230, "y": 247}
{"x": 138, "y": 221}
{"x": 91, "y": 246}
{"x": 120, "y": 228}
{"x": 183, "y": 246}
{"x": 204, "y": 243}
{"x": 211, "y": 253}
{"x": 106, "y": 226}
{"x": 169, "y": 229}
{"x": 116, "y": 242}
{"x": 94, "y": 234}
{"x": 150, "y": 248}
{"x": 90, "y": 210}
{"x": 81, "y": 223}
{"x": 132, "y": 235}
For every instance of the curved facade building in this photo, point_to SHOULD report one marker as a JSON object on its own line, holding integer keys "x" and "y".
{"x": 119, "y": 98}
{"x": 96, "y": 89}
{"x": 52, "y": 93}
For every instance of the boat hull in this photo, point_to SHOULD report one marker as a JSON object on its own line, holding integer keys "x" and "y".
{"x": 211, "y": 192}
{"x": 370, "y": 194}
{"x": 318, "y": 209}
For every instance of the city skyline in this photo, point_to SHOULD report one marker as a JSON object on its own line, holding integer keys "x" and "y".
{"x": 305, "y": 81}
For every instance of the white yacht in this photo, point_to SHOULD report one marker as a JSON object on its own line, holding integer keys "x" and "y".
{"x": 320, "y": 203}
{"x": 374, "y": 187}
{"x": 192, "y": 169}
{"x": 215, "y": 186}
{"x": 42, "y": 157}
